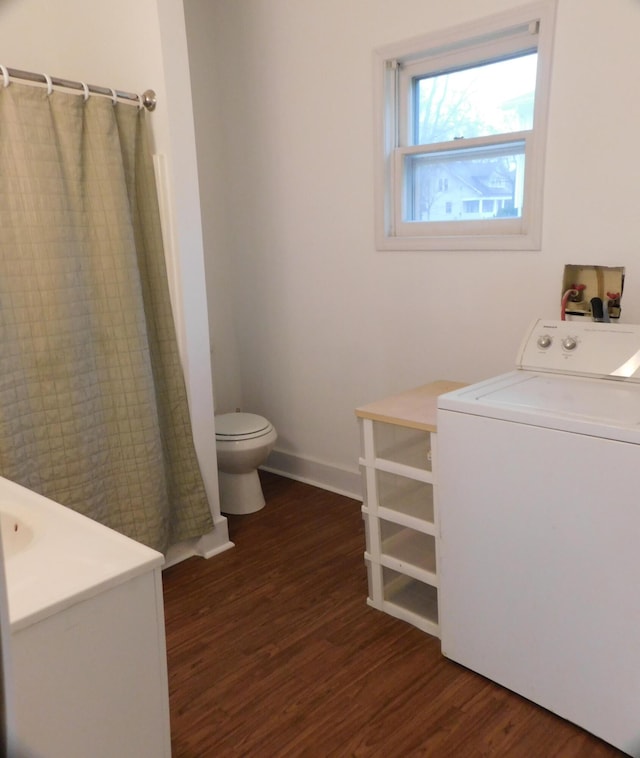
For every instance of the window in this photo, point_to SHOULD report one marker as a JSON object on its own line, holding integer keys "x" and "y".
{"x": 462, "y": 126}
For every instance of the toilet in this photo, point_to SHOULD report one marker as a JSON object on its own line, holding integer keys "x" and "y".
{"x": 243, "y": 442}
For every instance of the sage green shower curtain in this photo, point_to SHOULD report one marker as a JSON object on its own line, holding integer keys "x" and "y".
{"x": 93, "y": 408}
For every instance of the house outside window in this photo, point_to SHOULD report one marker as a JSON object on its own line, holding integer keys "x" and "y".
{"x": 462, "y": 125}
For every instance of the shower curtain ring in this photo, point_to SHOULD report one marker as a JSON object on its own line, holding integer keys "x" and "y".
{"x": 49, "y": 83}
{"x": 114, "y": 97}
{"x": 5, "y": 75}
{"x": 86, "y": 91}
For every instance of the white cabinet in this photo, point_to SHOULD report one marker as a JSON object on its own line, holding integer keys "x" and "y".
{"x": 87, "y": 651}
{"x": 399, "y": 455}
{"x": 91, "y": 680}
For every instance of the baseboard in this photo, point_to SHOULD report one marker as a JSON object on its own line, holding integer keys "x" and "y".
{"x": 317, "y": 473}
{"x": 214, "y": 542}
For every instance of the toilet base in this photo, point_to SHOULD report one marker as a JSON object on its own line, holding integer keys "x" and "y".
{"x": 240, "y": 493}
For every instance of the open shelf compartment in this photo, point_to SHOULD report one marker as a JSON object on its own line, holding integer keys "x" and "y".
{"x": 405, "y": 501}
{"x": 410, "y": 447}
{"x": 408, "y": 551}
{"x": 410, "y": 600}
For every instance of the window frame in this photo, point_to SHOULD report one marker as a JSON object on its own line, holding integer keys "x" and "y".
{"x": 525, "y": 29}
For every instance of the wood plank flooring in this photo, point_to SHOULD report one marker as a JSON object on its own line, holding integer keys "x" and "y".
{"x": 273, "y": 652}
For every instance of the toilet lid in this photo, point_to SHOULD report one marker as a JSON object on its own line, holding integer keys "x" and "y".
{"x": 230, "y": 425}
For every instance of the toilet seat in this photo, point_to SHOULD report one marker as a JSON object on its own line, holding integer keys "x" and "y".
{"x": 233, "y": 427}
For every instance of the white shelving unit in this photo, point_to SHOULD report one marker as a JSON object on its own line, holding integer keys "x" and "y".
{"x": 398, "y": 440}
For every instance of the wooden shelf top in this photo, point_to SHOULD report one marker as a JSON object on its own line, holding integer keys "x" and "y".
{"x": 414, "y": 408}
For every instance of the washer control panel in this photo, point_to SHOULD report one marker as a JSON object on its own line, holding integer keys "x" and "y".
{"x": 582, "y": 347}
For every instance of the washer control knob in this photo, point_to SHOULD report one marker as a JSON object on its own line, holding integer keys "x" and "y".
{"x": 569, "y": 343}
{"x": 544, "y": 341}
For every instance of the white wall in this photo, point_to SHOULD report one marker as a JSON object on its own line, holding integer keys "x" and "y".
{"x": 313, "y": 319}
{"x": 133, "y": 47}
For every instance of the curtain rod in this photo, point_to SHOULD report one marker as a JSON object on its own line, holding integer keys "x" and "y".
{"x": 148, "y": 98}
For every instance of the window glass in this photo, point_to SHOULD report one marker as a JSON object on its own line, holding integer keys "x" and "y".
{"x": 466, "y": 181}
{"x": 495, "y": 98}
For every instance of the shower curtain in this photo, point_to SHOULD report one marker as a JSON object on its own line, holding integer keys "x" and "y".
{"x": 93, "y": 406}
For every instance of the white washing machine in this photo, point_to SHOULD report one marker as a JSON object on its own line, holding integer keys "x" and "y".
{"x": 538, "y": 487}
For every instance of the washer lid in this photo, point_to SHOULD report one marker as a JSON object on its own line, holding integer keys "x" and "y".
{"x": 584, "y": 405}
{"x": 240, "y": 424}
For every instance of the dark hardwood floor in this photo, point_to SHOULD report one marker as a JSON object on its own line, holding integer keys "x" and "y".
{"x": 273, "y": 651}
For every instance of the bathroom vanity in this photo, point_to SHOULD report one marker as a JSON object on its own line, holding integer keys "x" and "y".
{"x": 87, "y": 643}
{"x": 398, "y": 443}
